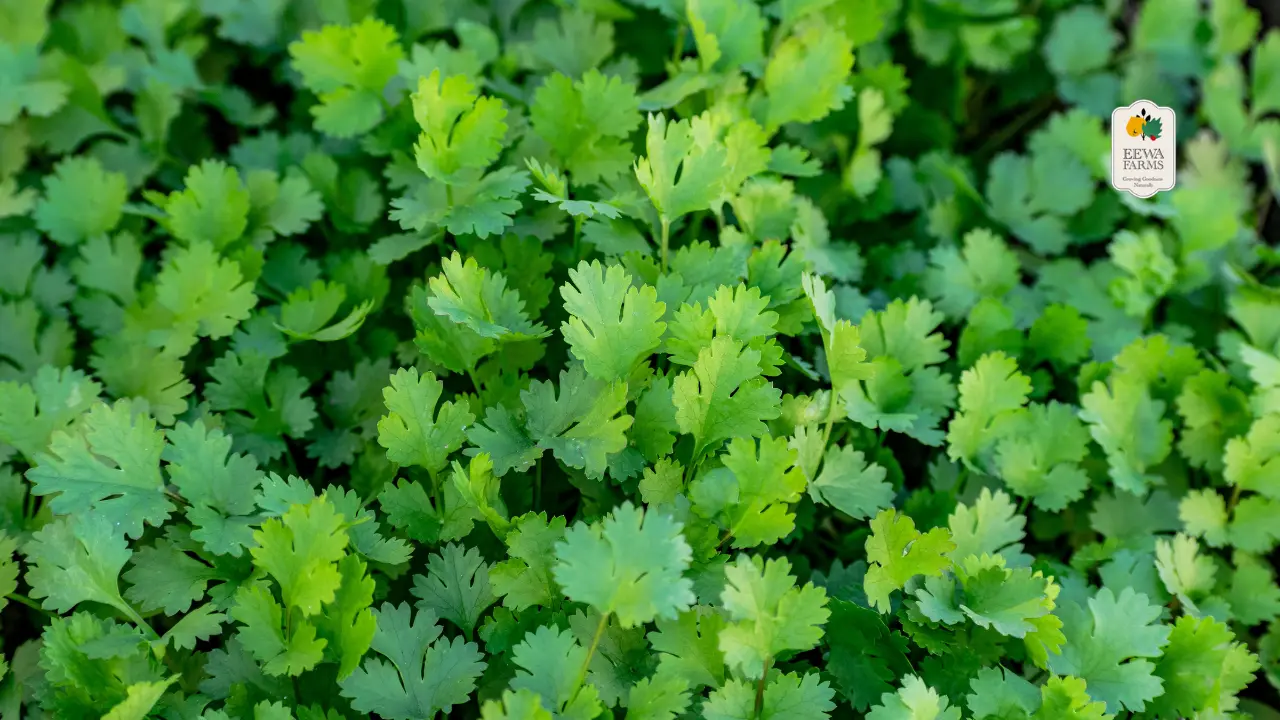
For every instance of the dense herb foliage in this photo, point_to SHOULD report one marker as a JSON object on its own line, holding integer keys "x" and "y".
{"x": 643, "y": 359}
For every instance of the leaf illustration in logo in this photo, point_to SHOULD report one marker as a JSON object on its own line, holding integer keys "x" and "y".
{"x": 1152, "y": 128}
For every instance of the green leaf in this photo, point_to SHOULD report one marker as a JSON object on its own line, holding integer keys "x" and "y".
{"x": 109, "y": 468}
{"x": 218, "y": 485}
{"x": 914, "y": 701}
{"x": 788, "y": 696}
{"x": 348, "y": 67}
{"x": 769, "y": 616}
{"x": 595, "y": 565}
{"x": 661, "y": 697}
{"x": 728, "y": 35}
{"x": 1107, "y": 644}
{"x": 671, "y": 150}
{"x": 551, "y": 663}
{"x": 587, "y": 123}
{"x": 688, "y": 647}
{"x": 992, "y": 392}
{"x": 461, "y": 131}
{"x": 81, "y": 201}
{"x": 1080, "y": 42}
{"x": 1129, "y": 425}
{"x": 572, "y": 44}
{"x": 612, "y": 324}
{"x": 456, "y": 587}
{"x": 31, "y": 413}
{"x": 723, "y": 396}
{"x": 213, "y": 208}
{"x": 142, "y": 697}
{"x": 301, "y": 550}
{"x": 851, "y": 484}
{"x": 749, "y": 498}
{"x": 990, "y": 525}
{"x": 306, "y": 311}
{"x": 422, "y": 673}
{"x": 807, "y": 74}
{"x": 582, "y": 426}
{"x": 348, "y": 624}
{"x": 985, "y": 268}
{"x": 865, "y": 655}
{"x": 1039, "y": 455}
{"x": 1201, "y": 667}
{"x": 898, "y": 552}
{"x": 200, "y": 624}
{"x": 473, "y": 296}
{"x": 415, "y": 431}
{"x": 77, "y": 560}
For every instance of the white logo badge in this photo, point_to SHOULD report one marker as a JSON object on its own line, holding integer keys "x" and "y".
{"x": 1144, "y": 148}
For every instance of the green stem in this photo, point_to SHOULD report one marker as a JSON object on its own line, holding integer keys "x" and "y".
{"x": 136, "y": 619}
{"x": 666, "y": 238}
{"x": 1235, "y": 498}
{"x": 764, "y": 677}
{"x": 24, "y": 600}
{"x": 591, "y": 651}
{"x": 437, "y": 492}
{"x": 537, "y": 485}
{"x": 678, "y": 51}
{"x": 577, "y": 239}
{"x": 475, "y": 384}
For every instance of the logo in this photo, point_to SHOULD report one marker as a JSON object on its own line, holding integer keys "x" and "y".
{"x": 1144, "y": 148}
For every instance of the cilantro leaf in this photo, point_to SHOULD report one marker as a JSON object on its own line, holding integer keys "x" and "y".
{"x": 769, "y": 616}
{"x": 460, "y": 129}
{"x": 31, "y": 413}
{"x": 213, "y": 208}
{"x": 473, "y": 296}
{"x": 1107, "y": 643}
{"x": 423, "y": 673}
{"x": 81, "y": 200}
{"x": 806, "y": 76}
{"x": 525, "y": 578}
{"x": 109, "y": 468}
{"x": 723, "y": 396}
{"x": 1129, "y": 425}
{"x": 587, "y": 123}
{"x": 415, "y": 431}
{"x": 749, "y": 496}
{"x": 348, "y": 67}
{"x": 596, "y": 565}
{"x": 898, "y": 552}
{"x": 78, "y": 560}
{"x": 787, "y": 695}
{"x": 612, "y": 324}
{"x": 672, "y": 149}
{"x": 851, "y": 484}
{"x": 456, "y": 587}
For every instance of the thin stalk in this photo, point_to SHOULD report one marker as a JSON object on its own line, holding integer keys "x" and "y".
{"x": 666, "y": 238}
{"x": 437, "y": 491}
{"x": 764, "y": 677}
{"x": 24, "y": 600}
{"x": 591, "y": 651}
{"x": 537, "y": 485}
{"x": 577, "y": 239}
{"x": 1235, "y": 498}
{"x": 136, "y": 619}
{"x": 475, "y": 384}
